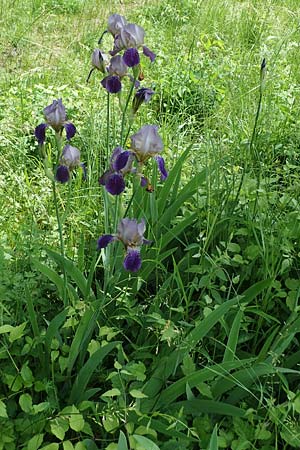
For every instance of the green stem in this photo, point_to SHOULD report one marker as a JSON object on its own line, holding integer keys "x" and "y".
{"x": 58, "y": 140}
{"x": 125, "y": 111}
{"x": 107, "y": 125}
{"x": 61, "y": 240}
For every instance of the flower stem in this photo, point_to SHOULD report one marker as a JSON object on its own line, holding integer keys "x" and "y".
{"x": 61, "y": 240}
{"x": 58, "y": 140}
{"x": 107, "y": 125}
{"x": 124, "y": 113}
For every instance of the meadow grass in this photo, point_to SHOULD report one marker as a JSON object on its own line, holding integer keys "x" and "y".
{"x": 200, "y": 348}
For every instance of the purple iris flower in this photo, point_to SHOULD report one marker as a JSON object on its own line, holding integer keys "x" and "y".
{"x": 120, "y": 164}
{"x": 131, "y": 36}
{"x": 143, "y": 95}
{"x": 56, "y": 118}
{"x": 131, "y": 57}
{"x": 147, "y": 143}
{"x": 69, "y": 160}
{"x": 131, "y": 234}
{"x": 112, "y": 84}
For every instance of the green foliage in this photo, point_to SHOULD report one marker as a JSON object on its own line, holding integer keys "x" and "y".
{"x": 200, "y": 348}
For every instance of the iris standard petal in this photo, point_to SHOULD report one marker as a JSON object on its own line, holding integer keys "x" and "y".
{"x": 147, "y": 52}
{"x": 115, "y": 184}
{"x": 131, "y": 57}
{"x": 62, "y": 174}
{"x": 132, "y": 261}
{"x": 70, "y": 157}
{"x": 115, "y": 23}
{"x": 70, "y": 130}
{"x": 161, "y": 167}
{"x": 55, "y": 114}
{"x": 104, "y": 240}
{"x": 40, "y": 133}
{"x": 112, "y": 84}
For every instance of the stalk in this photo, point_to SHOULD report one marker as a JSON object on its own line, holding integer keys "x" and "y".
{"x": 253, "y": 136}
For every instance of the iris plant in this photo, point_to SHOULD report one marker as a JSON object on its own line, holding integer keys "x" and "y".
{"x": 128, "y": 37}
{"x": 131, "y": 234}
{"x": 145, "y": 144}
{"x": 56, "y": 118}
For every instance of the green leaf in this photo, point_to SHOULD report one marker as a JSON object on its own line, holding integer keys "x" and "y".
{"x": 25, "y": 402}
{"x": 122, "y": 442}
{"x": 67, "y": 445}
{"x": 76, "y": 420}
{"x": 36, "y": 441}
{"x": 145, "y": 442}
{"x": 17, "y": 332}
{"x": 233, "y": 337}
{"x": 73, "y": 271}
{"x": 53, "y": 446}
{"x": 110, "y": 423}
{"x": 53, "y": 328}
{"x": 172, "y": 180}
{"x": 176, "y": 389}
{"x": 85, "y": 373}
{"x": 3, "y": 412}
{"x": 135, "y": 393}
{"x": 112, "y": 393}
{"x": 82, "y": 336}
{"x": 40, "y": 407}
{"x": 80, "y": 446}
{"x": 59, "y": 426}
{"x": 198, "y": 407}
{"x": 213, "y": 443}
{"x": 51, "y": 275}
{"x": 89, "y": 444}
{"x": 6, "y": 329}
